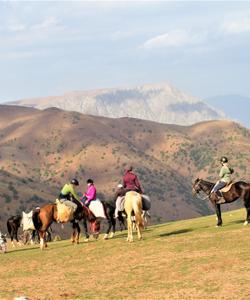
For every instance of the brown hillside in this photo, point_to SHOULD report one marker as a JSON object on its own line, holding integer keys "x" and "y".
{"x": 47, "y": 148}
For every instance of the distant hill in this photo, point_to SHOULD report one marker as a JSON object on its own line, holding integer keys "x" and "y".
{"x": 41, "y": 150}
{"x": 157, "y": 102}
{"x": 235, "y": 107}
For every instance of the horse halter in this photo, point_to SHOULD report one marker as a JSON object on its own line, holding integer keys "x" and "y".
{"x": 196, "y": 190}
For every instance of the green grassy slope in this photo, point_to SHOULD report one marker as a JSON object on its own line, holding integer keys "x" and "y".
{"x": 189, "y": 259}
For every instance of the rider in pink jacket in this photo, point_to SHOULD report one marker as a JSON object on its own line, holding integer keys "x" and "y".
{"x": 91, "y": 192}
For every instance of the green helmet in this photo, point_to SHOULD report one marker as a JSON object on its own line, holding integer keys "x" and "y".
{"x": 224, "y": 159}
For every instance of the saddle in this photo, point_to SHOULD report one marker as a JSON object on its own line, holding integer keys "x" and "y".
{"x": 227, "y": 187}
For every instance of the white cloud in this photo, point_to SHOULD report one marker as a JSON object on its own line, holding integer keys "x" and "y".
{"x": 174, "y": 38}
{"x": 237, "y": 26}
{"x": 49, "y": 22}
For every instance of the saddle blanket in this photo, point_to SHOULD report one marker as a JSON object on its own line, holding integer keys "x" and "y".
{"x": 65, "y": 210}
{"x": 97, "y": 209}
{"x": 27, "y": 221}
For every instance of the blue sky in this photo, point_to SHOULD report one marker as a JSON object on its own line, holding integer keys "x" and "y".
{"x": 48, "y": 48}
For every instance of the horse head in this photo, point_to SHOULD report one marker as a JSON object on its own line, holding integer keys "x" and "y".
{"x": 94, "y": 222}
{"x": 196, "y": 188}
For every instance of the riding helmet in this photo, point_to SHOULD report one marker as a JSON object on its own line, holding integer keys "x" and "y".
{"x": 74, "y": 181}
{"x": 224, "y": 159}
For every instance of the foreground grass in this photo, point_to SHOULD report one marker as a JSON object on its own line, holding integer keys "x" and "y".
{"x": 188, "y": 259}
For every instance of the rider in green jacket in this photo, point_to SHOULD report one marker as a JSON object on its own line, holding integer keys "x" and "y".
{"x": 68, "y": 190}
{"x": 225, "y": 175}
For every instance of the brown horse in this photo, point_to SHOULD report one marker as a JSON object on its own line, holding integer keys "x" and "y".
{"x": 48, "y": 214}
{"x": 238, "y": 190}
{"x": 133, "y": 205}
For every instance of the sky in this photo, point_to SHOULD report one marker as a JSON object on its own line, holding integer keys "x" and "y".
{"x": 49, "y": 48}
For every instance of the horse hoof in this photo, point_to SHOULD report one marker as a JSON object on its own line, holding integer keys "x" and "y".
{"x": 86, "y": 240}
{"x": 245, "y": 223}
{"x": 112, "y": 234}
{"x": 95, "y": 236}
{"x": 105, "y": 236}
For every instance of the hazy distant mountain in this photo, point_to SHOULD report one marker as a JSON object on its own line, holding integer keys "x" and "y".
{"x": 157, "y": 102}
{"x": 235, "y": 107}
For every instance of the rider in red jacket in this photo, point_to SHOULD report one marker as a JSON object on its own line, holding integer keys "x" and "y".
{"x": 131, "y": 182}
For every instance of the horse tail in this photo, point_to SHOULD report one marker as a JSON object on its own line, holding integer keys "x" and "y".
{"x": 36, "y": 220}
{"x": 137, "y": 208}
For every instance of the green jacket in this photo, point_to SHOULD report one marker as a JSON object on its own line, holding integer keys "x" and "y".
{"x": 68, "y": 188}
{"x": 225, "y": 174}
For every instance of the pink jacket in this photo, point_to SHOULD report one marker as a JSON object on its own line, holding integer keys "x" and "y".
{"x": 91, "y": 193}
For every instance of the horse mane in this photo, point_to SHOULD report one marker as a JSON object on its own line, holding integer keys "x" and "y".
{"x": 206, "y": 182}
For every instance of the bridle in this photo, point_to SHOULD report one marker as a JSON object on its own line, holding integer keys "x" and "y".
{"x": 197, "y": 189}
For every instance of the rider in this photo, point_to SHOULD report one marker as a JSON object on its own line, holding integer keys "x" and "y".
{"x": 118, "y": 197}
{"x": 68, "y": 191}
{"x": 225, "y": 175}
{"x": 90, "y": 195}
{"x": 131, "y": 182}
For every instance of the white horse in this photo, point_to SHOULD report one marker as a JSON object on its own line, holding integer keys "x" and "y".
{"x": 133, "y": 204}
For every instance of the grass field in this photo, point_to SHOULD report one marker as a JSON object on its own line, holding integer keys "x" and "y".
{"x": 189, "y": 259}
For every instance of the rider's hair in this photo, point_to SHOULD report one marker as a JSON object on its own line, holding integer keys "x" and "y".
{"x": 90, "y": 181}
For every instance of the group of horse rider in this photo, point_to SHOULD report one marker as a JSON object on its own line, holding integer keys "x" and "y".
{"x": 130, "y": 182}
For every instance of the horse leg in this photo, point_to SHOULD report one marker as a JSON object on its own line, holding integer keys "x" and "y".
{"x": 85, "y": 229}
{"x": 130, "y": 228}
{"x": 78, "y": 233}
{"x": 12, "y": 237}
{"x": 247, "y": 206}
{"x": 106, "y": 235}
{"x": 16, "y": 237}
{"x": 113, "y": 222}
{"x": 42, "y": 242}
{"x": 247, "y": 221}
{"x": 73, "y": 232}
{"x": 218, "y": 213}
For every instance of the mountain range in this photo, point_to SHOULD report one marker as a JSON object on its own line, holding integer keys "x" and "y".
{"x": 161, "y": 103}
{"x": 40, "y": 150}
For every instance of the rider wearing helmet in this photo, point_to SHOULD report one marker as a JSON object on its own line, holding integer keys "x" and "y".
{"x": 225, "y": 175}
{"x": 68, "y": 190}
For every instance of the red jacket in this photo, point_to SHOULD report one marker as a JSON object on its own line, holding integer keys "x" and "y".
{"x": 131, "y": 182}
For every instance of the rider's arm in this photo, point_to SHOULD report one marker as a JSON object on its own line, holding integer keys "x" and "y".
{"x": 73, "y": 193}
{"x": 137, "y": 183}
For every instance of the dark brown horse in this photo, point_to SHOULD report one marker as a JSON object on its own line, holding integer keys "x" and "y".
{"x": 13, "y": 224}
{"x": 48, "y": 214}
{"x": 238, "y": 190}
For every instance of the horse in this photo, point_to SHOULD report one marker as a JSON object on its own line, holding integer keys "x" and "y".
{"x": 13, "y": 223}
{"x": 238, "y": 190}
{"x": 133, "y": 205}
{"x": 109, "y": 208}
{"x": 48, "y": 214}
